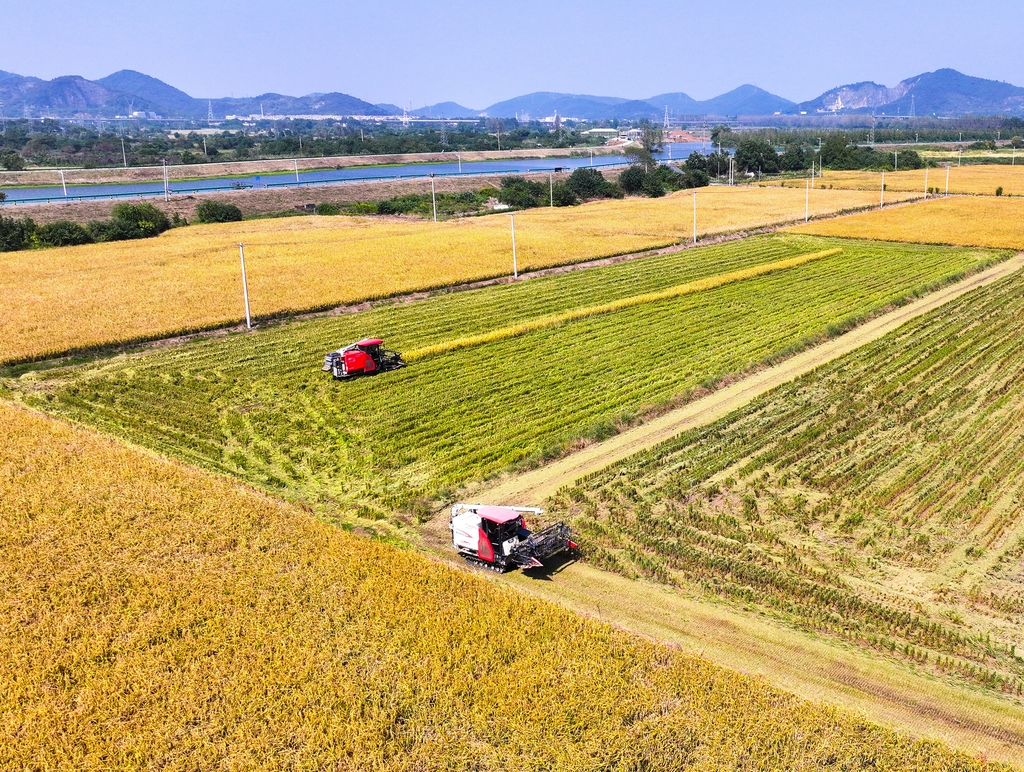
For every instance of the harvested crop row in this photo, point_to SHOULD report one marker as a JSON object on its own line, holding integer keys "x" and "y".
{"x": 153, "y": 616}
{"x": 699, "y": 285}
{"x": 258, "y": 406}
{"x": 983, "y": 222}
{"x": 876, "y": 500}
{"x": 187, "y": 279}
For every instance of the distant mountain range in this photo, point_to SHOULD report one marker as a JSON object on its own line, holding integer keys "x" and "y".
{"x": 943, "y": 92}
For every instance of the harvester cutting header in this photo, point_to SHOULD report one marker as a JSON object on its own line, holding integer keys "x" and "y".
{"x": 496, "y": 537}
{"x": 365, "y": 357}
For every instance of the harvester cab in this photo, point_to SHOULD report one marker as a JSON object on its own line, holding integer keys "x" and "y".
{"x": 365, "y": 357}
{"x": 497, "y": 537}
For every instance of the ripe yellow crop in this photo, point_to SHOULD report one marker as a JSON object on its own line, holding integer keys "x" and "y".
{"x": 155, "y": 617}
{"x": 188, "y": 279}
{"x": 962, "y": 221}
{"x": 511, "y": 331}
{"x": 975, "y": 180}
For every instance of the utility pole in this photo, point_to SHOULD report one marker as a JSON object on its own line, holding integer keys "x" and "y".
{"x": 459, "y": 156}
{"x": 695, "y": 217}
{"x": 895, "y": 161}
{"x": 515, "y": 261}
{"x": 245, "y": 287}
{"x": 63, "y": 183}
{"x": 124, "y": 155}
{"x": 551, "y": 188}
{"x": 881, "y": 202}
{"x": 167, "y": 196}
{"x": 807, "y": 201}
{"x": 947, "y": 180}
{"x": 296, "y": 170}
{"x": 205, "y": 151}
{"x": 433, "y": 196}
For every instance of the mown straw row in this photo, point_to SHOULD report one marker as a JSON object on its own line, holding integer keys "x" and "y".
{"x": 690, "y": 287}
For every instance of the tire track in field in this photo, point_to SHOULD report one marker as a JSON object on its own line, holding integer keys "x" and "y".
{"x": 534, "y": 486}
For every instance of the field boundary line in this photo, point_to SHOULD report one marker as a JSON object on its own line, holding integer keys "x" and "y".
{"x": 575, "y": 314}
{"x": 538, "y": 484}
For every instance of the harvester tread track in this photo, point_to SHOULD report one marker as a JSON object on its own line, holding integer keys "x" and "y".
{"x": 484, "y": 564}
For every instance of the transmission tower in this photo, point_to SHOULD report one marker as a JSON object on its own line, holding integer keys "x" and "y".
{"x": 913, "y": 112}
{"x": 444, "y": 134}
{"x": 209, "y": 111}
{"x": 666, "y": 117}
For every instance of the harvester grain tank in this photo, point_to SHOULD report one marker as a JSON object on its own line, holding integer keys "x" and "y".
{"x": 497, "y": 538}
{"x": 364, "y": 357}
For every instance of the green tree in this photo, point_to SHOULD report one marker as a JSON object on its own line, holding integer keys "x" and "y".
{"x": 723, "y": 135}
{"x": 638, "y": 155}
{"x": 652, "y": 186}
{"x": 563, "y": 195}
{"x": 3, "y": 196}
{"x": 114, "y": 230}
{"x": 1017, "y": 142}
{"x": 836, "y": 152}
{"x": 590, "y": 183}
{"x": 651, "y": 138}
{"x": 632, "y": 179}
{"x": 15, "y": 234}
{"x": 696, "y": 161}
{"x": 794, "y": 159}
{"x": 146, "y": 217}
{"x": 217, "y": 211}
{"x": 718, "y": 164}
{"x": 11, "y": 161}
{"x": 63, "y": 233}
{"x": 756, "y": 155}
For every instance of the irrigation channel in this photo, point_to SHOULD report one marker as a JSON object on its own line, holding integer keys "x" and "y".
{"x": 315, "y": 177}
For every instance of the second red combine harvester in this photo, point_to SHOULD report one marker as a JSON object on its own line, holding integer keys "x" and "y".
{"x": 364, "y": 357}
{"x": 497, "y": 538}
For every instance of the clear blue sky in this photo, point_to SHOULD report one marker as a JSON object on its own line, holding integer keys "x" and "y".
{"x": 413, "y": 53}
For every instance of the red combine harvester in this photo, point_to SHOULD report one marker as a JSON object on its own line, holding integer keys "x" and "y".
{"x": 496, "y": 537}
{"x": 365, "y": 357}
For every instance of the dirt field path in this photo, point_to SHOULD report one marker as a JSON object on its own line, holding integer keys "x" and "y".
{"x": 532, "y": 488}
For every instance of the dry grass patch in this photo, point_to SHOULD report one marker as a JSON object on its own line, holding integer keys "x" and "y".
{"x": 188, "y": 279}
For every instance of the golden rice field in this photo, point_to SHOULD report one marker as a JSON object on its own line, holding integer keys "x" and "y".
{"x": 975, "y": 180}
{"x": 961, "y": 221}
{"x": 188, "y": 279}
{"x": 153, "y": 616}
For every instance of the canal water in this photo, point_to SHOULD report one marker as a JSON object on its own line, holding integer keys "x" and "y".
{"x": 51, "y": 193}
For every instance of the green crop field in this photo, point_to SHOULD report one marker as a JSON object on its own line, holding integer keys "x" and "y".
{"x": 257, "y": 406}
{"x": 877, "y": 500}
